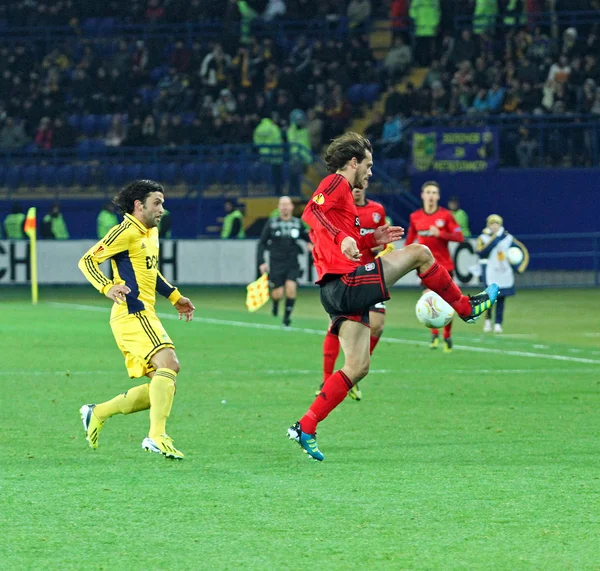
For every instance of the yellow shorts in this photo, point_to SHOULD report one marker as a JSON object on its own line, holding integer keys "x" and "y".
{"x": 140, "y": 336}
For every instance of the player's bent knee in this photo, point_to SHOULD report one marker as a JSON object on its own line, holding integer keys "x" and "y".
{"x": 166, "y": 359}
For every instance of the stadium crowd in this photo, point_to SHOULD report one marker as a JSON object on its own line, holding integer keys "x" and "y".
{"x": 502, "y": 58}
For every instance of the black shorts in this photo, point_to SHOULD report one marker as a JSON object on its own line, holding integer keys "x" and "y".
{"x": 280, "y": 274}
{"x": 349, "y": 297}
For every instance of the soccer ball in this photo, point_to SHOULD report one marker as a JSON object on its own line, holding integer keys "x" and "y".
{"x": 432, "y": 311}
{"x": 514, "y": 256}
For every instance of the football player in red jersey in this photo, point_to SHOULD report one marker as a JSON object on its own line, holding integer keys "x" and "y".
{"x": 434, "y": 226}
{"x": 348, "y": 288}
{"x": 371, "y": 215}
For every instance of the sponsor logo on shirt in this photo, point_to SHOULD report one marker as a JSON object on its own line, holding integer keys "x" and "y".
{"x": 357, "y": 221}
{"x": 365, "y": 231}
{"x": 319, "y": 199}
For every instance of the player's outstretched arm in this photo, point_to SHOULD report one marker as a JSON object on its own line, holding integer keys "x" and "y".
{"x": 185, "y": 308}
{"x": 386, "y": 234}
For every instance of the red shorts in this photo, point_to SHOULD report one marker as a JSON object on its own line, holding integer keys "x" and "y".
{"x": 349, "y": 297}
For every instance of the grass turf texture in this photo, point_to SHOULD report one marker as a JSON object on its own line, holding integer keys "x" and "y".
{"x": 473, "y": 460}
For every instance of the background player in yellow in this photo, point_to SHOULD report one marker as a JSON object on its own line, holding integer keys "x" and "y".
{"x": 132, "y": 248}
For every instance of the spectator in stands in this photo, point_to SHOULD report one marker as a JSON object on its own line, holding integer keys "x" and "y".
{"x": 433, "y": 74}
{"x": 391, "y": 140}
{"x": 44, "y": 134}
{"x": 54, "y": 226}
{"x": 233, "y": 222}
{"x": 397, "y": 61}
{"x": 315, "y": 130}
{"x": 117, "y": 132}
{"x": 180, "y": 57}
{"x": 275, "y": 9}
{"x": 148, "y": 132}
{"x": 484, "y": 17}
{"x": 440, "y": 99}
{"x": 106, "y": 220}
{"x": 480, "y": 103}
{"x": 214, "y": 69}
{"x": 267, "y": 138}
{"x": 526, "y": 148}
{"x": 560, "y": 70}
{"x": 400, "y": 19}
{"x": 13, "y": 135}
{"x": 358, "y": 12}
{"x": 464, "y": 48}
{"x": 495, "y": 97}
{"x": 298, "y": 140}
{"x": 426, "y": 17}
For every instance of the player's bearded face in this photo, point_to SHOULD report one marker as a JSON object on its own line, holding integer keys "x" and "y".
{"x": 152, "y": 209}
{"x": 363, "y": 172}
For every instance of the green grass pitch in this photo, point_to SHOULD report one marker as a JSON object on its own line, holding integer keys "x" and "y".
{"x": 486, "y": 458}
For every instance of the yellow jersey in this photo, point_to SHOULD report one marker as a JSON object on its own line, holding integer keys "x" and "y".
{"x": 133, "y": 252}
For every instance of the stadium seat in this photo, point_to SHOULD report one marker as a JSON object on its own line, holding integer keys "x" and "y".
{"x": 133, "y": 172}
{"x": 370, "y": 92}
{"x": 75, "y": 121}
{"x": 88, "y": 125}
{"x": 355, "y": 94}
{"x": 30, "y": 175}
{"x": 169, "y": 173}
{"x": 13, "y": 176}
{"x": 64, "y": 175}
{"x": 151, "y": 172}
{"x": 48, "y": 175}
{"x": 84, "y": 148}
{"x": 2, "y": 175}
{"x": 190, "y": 173}
{"x": 81, "y": 175}
{"x": 115, "y": 175}
{"x": 103, "y": 123}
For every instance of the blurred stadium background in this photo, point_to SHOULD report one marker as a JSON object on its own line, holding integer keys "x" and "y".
{"x": 495, "y": 452}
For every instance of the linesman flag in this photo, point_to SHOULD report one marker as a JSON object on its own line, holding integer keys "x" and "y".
{"x": 30, "y": 229}
{"x": 257, "y": 293}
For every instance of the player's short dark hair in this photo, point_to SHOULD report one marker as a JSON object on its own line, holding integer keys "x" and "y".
{"x": 136, "y": 190}
{"x": 344, "y": 148}
{"x": 431, "y": 183}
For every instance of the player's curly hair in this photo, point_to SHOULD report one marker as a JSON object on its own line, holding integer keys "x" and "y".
{"x": 136, "y": 190}
{"x": 344, "y": 148}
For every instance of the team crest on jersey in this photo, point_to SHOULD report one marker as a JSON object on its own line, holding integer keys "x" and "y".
{"x": 319, "y": 199}
{"x": 440, "y": 222}
{"x": 294, "y": 233}
{"x": 376, "y": 217}
{"x": 369, "y": 267}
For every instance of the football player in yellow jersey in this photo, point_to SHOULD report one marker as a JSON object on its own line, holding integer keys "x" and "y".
{"x": 132, "y": 248}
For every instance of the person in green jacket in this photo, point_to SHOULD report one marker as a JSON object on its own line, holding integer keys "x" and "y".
{"x": 233, "y": 222}
{"x": 426, "y": 15}
{"x": 484, "y": 18}
{"x": 164, "y": 226}
{"x": 14, "y": 222}
{"x": 266, "y": 135}
{"x": 461, "y": 217}
{"x": 106, "y": 220}
{"x": 247, "y": 14}
{"x": 298, "y": 140}
{"x": 54, "y": 226}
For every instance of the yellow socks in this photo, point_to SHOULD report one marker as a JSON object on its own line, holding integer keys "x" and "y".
{"x": 162, "y": 391}
{"x": 134, "y": 400}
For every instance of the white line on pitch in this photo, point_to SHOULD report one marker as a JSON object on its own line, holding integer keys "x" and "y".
{"x": 264, "y": 326}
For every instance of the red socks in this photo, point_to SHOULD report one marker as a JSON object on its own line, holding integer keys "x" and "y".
{"x": 448, "y": 330}
{"x": 334, "y": 391}
{"x": 374, "y": 341}
{"x": 439, "y": 280}
{"x": 331, "y": 350}
{"x": 435, "y": 331}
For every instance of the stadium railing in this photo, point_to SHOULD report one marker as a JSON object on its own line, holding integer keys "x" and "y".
{"x": 571, "y": 140}
{"x": 562, "y": 19}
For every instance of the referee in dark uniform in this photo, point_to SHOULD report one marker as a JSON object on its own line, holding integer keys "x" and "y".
{"x": 280, "y": 236}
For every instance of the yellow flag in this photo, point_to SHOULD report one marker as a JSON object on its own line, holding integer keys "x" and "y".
{"x": 257, "y": 293}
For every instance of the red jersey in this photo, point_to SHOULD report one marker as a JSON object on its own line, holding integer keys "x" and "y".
{"x": 418, "y": 231}
{"x": 371, "y": 216}
{"x": 332, "y": 216}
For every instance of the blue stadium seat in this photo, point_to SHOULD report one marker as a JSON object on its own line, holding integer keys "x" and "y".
{"x": 2, "y": 175}
{"x": 190, "y": 173}
{"x": 88, "y": 125}
{"x": 115, "y": 175}
{"x": 75, "y": 121}
{"x": 90, "y": 26}
{"x": 97, "y": 146}
{"x": 151, "y": 172}
{"x": 81, "y": 175}
{"x": 103, "y": 123}
{"x": 64, "y": 175}
{"x": 13, "y": 176}
{"x": 30, "y": 175}
{"x": 84, "y": 148}
{"x": 133, "y": 172}
{"x": 355, "y": 94}
{"x": 158, "y": 73}
{"x": 370, "y": 92}
{"x": 169, "y": 173}
{"x": 48, "y": 175}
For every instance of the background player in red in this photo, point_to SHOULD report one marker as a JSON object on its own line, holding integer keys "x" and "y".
{"x": 434, "y": 226}
{"x": 349, "y": 289}
{"x": 371, "y": 215}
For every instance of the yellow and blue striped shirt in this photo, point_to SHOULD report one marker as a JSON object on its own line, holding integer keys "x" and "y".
{"x": 133, "y": 251}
